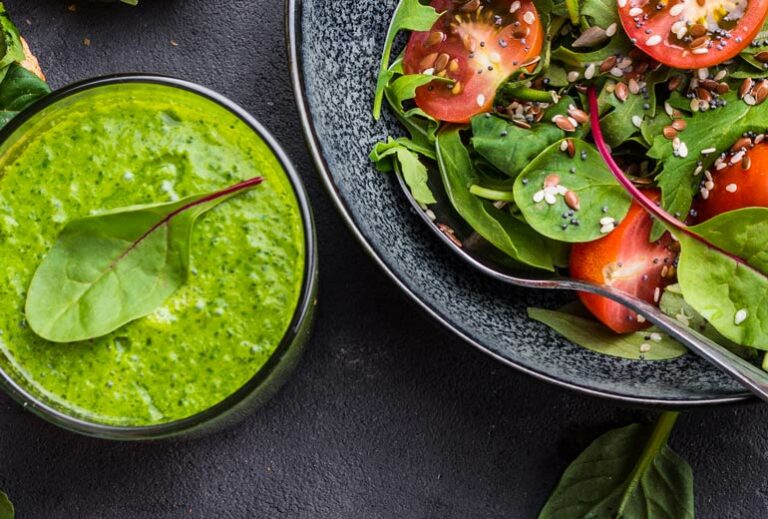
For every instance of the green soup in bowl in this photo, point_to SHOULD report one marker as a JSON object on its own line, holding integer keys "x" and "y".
{"x": 224, "y": 341}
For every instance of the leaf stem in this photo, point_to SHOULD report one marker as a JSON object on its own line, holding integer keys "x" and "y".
{"x": 573, "y": 10}
{"x": 530, "y": 94}
{"x": 491, "y": 194}
{"x": 658, "y": 438}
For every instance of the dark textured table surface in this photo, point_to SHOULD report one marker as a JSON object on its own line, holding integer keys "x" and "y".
{"x": 388, "y": 415}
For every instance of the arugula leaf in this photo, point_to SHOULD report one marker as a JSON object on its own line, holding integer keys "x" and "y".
{"x": 409, "y": 15}
{"x": 400, "y": 155}
{"x": 18, "y": 89}
{"x": 6, "y": 507}
{"x": 676, "y": 180}
{"x": 575, "y": 323}
{"x": 626, "y": 473}
{"x": 587, "y": 176}
{"x": 731, "y": 295}
{"x": 673, "y": 304}
{"x": 107, "y": 270}
{"x": 499, "y": 227}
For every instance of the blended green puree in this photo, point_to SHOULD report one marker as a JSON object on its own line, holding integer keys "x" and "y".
{"x": 122, "y": 145}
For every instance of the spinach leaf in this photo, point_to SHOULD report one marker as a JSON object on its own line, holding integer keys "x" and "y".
{"x": 618, "y": 44}
{"x": 619, "y": 123}
{"x": 6, "y": 507}
{"x": 626, "y": 473}
{"x": 673, "y": 304}
{"x": 11, "y": 48}
{"x": 409, "y": 15}
{"x": 591, "y": 183}
{"x": 676, "y": 180}
{"x": 499, "y": 227}
{"x": 400, "y": 155}
{"x": 732, "y": 295}
{"x": 575, "y": 323}
{"x": 18, "y": 89}
{"x": 510, "y": 148}
{"x": 602, "y": 12}
{"x": 107, "y": 270}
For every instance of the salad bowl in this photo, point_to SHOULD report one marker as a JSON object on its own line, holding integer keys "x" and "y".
{"x": 335, "y": 49}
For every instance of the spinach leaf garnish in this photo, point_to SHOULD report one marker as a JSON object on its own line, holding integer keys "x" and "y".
{"x": 498, "y": 226}
{"x": 594, "y": 193}
{"x": 409, "y": 15}
{"x": 6, "y": 507}
{"x": 107, "y": 270}
{"x": 18, "y": 89}
{"x": 629, "y": 472}
{"x": 403, "y": 156}
{"x": 575, "y": 323}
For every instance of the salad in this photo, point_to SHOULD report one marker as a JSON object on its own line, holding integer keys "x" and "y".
{"x": 621, "y": 143}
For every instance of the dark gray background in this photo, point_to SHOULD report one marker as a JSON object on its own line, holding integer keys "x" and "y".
{"x": 388, "y": 415}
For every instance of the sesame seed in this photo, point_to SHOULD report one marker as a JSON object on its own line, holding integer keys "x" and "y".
{"x": 653, "y": 40}
{"x": 611, "y": 29}
{"x": 605, "y": 229}
{"x": 668, "y": 108}
{"x": 607, "y": 220}
{"x": 645, "y": 348}
{"x": 640, "y": 319}
{"x": 656, "y": 337}
{"x": 700, "y": 50}
{"x": 635, "y": 11}
{"x": 731, "y": 188}
{"x": 708, "y": 151}
{"x": 656, "y": 294}
{"x": 703, "y": 73}
{"x": 564, "y": 146}
{"x": 515, "y": 6}
{"x": 740, "y": 316}
{"x": 550, "y": 199}
{"x": 538, "y": 196}
{"x": 480, "y": 100}
{"x": 682, "y": 151}
{"x": 704, "y": 193}
{"x": 617, "y": 72}
{"x": 573, "y": 76}
{"x": 529, "y": 17}
{"x": 590, "y": 71}
{"x": 637, "y": 120}
{"x": 622, "y": 3}
{"x": 677, "y": 9}
{"x": 429, "y": 72}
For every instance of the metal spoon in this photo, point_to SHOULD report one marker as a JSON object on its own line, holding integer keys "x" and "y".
{"x": 449, "y": 227}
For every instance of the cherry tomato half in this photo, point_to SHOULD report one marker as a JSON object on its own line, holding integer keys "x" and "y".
{"x": 691, "y": 34}
{"x": 626, "y": 260}
{"x": 736, "y": 187}
{"x": 477, "y": 45}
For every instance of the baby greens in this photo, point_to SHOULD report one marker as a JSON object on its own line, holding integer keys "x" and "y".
{"x": 626, "y": 473}
{"x": 107, "y": 270}
{"x": 409, "y": 15}
{"x": 6, "y": 507}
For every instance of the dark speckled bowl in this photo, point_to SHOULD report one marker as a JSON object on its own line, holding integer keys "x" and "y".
{"x": 335, "y": 48}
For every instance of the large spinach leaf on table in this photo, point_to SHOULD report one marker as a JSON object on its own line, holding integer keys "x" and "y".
{"x": 627, "y": 473}
{"x": 6, "y": 507}
{"x": 18, "y": 89}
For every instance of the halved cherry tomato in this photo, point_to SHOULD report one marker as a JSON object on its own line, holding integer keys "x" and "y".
{"x": 626, "y": 260}
{"x": 691, "y": 34}
{"x": 736, "y": 187}
{"x": 477, "y": 45}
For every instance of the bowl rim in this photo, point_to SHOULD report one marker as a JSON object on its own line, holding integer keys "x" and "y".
{"x": 295, "y": 55}
{"x": 303, "y": 306}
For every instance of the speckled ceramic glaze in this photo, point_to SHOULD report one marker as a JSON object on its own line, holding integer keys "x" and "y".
{"x": 335, "y": 48}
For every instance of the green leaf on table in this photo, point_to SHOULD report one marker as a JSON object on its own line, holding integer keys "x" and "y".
{"x": 410, "y": 15}
{"x": 11, "y": 49}
{"x": 628, "y": 473}
{"x": 717, "y": 129}
{"x": 728, "y": 293}
{"x": 497, "y": 226}
{"x": 599, "y": 194}
{"x": 398, "y": 154}
{"x": 18, "y": 89}
{"x": 575, "y": 323}
{"x": 673, "y": 304}
{"x": 107, "y": 270}
{"x": 6, "y": 507}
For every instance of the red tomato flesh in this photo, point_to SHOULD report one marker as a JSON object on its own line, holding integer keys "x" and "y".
{"x": 690, "y": 34}
{"x": 477, "y": 45}
{"x": 736, "y": 187}
{"x": 626, "y": 260}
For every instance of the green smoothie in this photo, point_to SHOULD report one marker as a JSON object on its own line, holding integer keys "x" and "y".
{"x": 122, "y": 145}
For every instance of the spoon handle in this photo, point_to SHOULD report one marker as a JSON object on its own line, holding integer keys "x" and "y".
{"x": 746, "y": 373}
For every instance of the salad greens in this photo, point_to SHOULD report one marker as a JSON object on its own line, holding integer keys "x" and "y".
{"x": 6, "y": 507}
{"x": 626, "y": 473}
{"x": 112, "y": 268}
{"x": 527, "y": 176}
